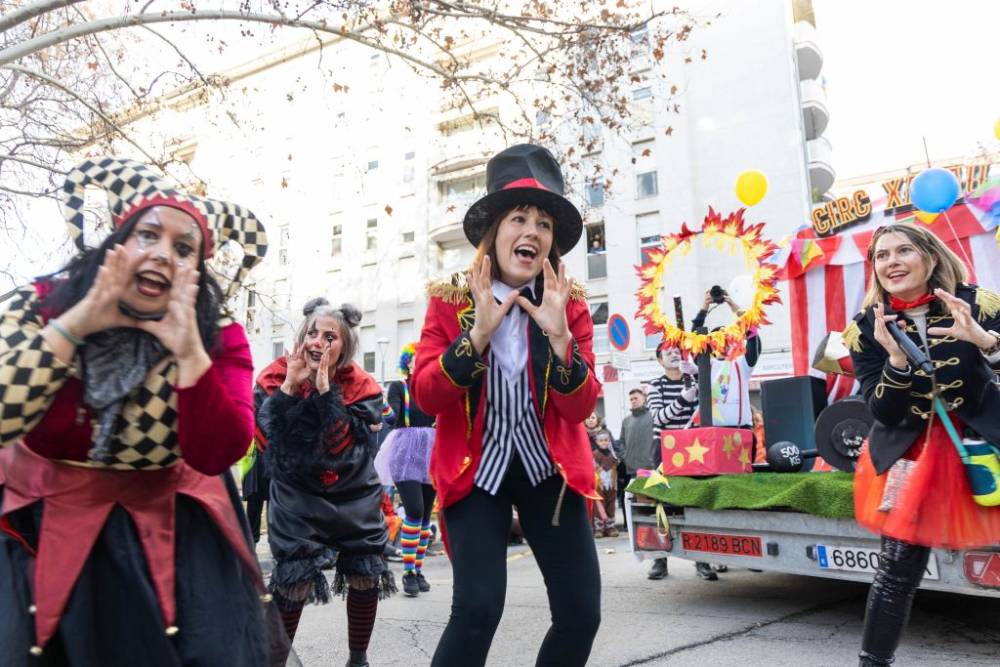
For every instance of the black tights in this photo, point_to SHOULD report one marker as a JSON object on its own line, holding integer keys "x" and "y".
{"x": 477, "y": 528}
{"x": 418, "y": 501}
{"x": 901, "y": 567}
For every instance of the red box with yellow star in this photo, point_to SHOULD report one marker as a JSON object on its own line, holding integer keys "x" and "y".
{"x": 712, "y": 450}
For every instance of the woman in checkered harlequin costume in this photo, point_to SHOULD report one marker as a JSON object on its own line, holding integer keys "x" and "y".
{"x": 124, "y": 399}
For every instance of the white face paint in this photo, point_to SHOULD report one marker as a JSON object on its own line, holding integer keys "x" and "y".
{"x": 167, "y": 238}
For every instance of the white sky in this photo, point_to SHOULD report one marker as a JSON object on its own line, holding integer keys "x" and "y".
{"x": 897, "y": 70}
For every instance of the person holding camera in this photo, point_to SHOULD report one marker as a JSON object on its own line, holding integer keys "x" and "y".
{"x": 730, "y": 377}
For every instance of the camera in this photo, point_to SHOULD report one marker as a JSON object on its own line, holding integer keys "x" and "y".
{"x": 717, "y": 294}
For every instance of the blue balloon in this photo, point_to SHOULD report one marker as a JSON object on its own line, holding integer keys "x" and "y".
{"x": 934, "y": 190}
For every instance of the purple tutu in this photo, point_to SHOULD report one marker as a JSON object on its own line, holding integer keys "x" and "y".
{"x": 405, "y": 456}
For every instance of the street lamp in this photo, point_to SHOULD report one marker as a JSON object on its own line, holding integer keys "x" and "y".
{"x": 382, "y": 344}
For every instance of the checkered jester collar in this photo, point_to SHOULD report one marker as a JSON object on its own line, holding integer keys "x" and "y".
{"x": 132, "y": 187}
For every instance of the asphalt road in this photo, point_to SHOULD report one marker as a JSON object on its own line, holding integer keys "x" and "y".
{"x": 745, "y": 619}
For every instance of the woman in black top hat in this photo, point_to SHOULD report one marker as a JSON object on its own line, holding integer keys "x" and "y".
{"x": 505, "y": 362}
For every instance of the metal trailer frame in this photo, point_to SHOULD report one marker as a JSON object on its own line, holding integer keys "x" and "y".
{"x": 789, "y": 541}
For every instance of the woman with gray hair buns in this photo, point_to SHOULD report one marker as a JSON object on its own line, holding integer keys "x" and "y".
{"x": 314, "y": 407}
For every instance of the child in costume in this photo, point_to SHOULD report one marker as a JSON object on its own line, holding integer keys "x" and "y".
{"x": 404, "y": 461}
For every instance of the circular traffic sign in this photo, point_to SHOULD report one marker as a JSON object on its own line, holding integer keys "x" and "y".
{"x": 618, "y": 332}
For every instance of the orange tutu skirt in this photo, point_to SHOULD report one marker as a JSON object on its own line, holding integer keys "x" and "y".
{"x": 934, "y": 505}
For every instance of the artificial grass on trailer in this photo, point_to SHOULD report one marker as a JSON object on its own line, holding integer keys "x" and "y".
{"x": 826, "y": 494}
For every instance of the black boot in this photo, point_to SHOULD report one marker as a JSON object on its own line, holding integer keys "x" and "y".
{"x": 422, "y": 583}
{"x": 704, "y": 571}
{"x": 659, "y": 569}
{"x": 411, "y": 587}
{"x": 868, "y": 660}
{"x": 358, "y": 659}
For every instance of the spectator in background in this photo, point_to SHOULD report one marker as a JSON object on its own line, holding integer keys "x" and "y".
{"x": 606, "y": 472}
{"x": 640, "y": 450}
{"x": 672, "y": 400}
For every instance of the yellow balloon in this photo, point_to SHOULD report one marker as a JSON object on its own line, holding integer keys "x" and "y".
{"x": 924, "y": 216}
{"x": 751, "y": 186}
{"x": 996, "y": 129}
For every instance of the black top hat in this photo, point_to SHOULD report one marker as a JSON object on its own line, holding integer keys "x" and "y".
{"x": 520, "y": 175}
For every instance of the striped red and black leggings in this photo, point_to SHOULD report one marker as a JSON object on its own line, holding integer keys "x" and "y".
{"x": 362, "y": 605}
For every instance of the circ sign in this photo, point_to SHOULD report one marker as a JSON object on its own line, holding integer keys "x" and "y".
{"x": 618, "y": 332}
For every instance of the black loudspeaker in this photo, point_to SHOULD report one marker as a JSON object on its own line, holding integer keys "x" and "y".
{"x": 790, "y": 408}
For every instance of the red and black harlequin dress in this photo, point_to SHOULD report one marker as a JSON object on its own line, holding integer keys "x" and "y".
{"x": 142, "y": 557}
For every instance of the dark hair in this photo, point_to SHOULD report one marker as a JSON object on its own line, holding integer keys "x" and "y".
{"x": 636, "y": 390}
{"x": 348, "y": 318}
{"x": 488, "y": 244}
{"x": 73, "y": 281}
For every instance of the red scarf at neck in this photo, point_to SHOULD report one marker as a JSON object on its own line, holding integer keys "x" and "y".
{"x": 898, "y": 304}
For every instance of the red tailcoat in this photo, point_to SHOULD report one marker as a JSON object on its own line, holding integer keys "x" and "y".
{"x": 447, "y": 381}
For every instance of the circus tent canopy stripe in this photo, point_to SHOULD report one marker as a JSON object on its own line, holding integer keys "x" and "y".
{"x": 826, "y": 291}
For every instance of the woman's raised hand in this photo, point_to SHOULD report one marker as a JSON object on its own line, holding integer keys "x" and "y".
{"x": 98, "y": 310}
{"x": 551, "y": 314}
{"x": 489, "y": 314}
{"x": 965, "y": 326}
{"x": 882, "y": 323}
{"x": 323, "y": 373}
{"x": 178, "y": 329}
{"x": 297, "y": 371}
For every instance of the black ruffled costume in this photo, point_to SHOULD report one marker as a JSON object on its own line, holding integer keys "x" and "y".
{"x": 325, "y": 502}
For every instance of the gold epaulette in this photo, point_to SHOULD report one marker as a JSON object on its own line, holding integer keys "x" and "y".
{"x": 852, "y": 337}
{"x": 453, "y": 290}
{"x": 988, "y": 302}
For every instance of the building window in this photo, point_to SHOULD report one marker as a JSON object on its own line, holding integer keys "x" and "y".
{"x": 405, "y": 333}
{"x": 595, "y": 194}
{"x": 283, "y": 236}
{"x": 648, "y": 230}
{"x": 652, "y": 341}
{"x": 408, "y": 170}
{"x": 368, "y": 348}
{"x": 597, "y": 257}
{"x": 277, "y": 348}
{"x": 371, "y": 234}
{"x": 599, "y": 313}
{"x": 542, "y": 118}
{"x": 372, "y": 166}
{"x": 407, "y": 237}
{"x": 464, "y": 191}
{"x": 251, "y": 298}
{"x": 644, "y": 93}
{"x": 337, "y": 241}
{"x": 646, "y": 185}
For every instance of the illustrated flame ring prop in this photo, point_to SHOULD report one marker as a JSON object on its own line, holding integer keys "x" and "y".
{"x": 731, "y": 233}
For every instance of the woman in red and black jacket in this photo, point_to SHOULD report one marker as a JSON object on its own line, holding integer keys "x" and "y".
{"x": 910, "y": 485}
{"x": 505, "y": 361}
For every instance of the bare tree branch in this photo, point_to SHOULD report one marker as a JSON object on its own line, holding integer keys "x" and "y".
{"x": 28, "y": 12}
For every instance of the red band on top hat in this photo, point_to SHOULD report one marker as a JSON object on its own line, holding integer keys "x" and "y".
{"x": 208, "y": 240}
{"x": 525, "y": 183}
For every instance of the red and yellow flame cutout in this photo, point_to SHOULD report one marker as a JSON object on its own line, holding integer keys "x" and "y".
{"x": 729, "y": 234}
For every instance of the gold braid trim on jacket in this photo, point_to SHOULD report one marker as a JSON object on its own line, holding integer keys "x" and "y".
{"x": 455, "y": 289}
{"x": 852, "y": 337}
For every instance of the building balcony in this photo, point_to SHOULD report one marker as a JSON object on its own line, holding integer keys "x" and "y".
{"x": 815, "y": 114}
{"x": 445, "y": 228}
{"x": 821, "y": 173}
{"x": 807, "y": 51}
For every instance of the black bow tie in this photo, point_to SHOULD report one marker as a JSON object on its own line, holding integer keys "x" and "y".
{"x": 525, "y": 292}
